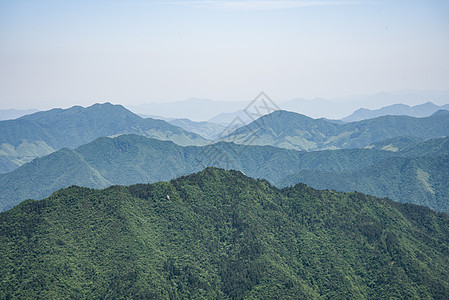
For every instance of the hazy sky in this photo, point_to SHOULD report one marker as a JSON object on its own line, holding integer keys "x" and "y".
{"x": 62, "y": 53}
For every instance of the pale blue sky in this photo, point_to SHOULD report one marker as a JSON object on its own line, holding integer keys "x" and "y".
{"x": 64, "y": 53}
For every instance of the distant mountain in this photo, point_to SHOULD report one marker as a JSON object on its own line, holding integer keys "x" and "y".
{"x": 419, "y": 111}
{"x": 41, "y": 133}
{"x": 9, "y": 114}
{"x": 315, "y": 108}
{"x": 221, "y": 235}
{"x": 408, "y": 97}
{"x": 156, "y": 117}
{"x": 208, "y": 130}
{"x": 224, "y": 112}
{"x": 342, "y": 107}
{"x": 130, "y": 159}
{"x": 194, "y": 109}
{"x": 294, "y": 131}
{"x": 227, "y": 118}
{"x": 441, "y": 112}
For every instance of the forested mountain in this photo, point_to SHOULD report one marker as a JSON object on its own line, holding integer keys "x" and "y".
{"x": 428, "y": 148}
{"x": 129, "y": 159}
{"x": 419, "y": 180}
{"x": 44, "y": 132}
{"x": 419, "y": 111}
{"x": 441, "y": 112}
{"x": 221, "y": 235}
{"x": 294, "y": 131}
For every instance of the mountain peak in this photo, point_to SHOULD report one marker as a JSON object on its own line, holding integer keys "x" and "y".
{"x": 108, "y": 105}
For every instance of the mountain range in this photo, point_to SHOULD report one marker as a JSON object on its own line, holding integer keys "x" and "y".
{"x": 41, "y": 133}
{"x": 419, "y": 111}
{"x": 197, "y": 109}
{"x": 129, "y": 159}
{"x": 294, "y": 131}
{"x": 208, "y": 130}
{"x": 343, "y": 107}
{"x": 221, "y": 235}
{"x": 216, "y": 125}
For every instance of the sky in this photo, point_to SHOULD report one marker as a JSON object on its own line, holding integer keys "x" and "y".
{"x": 64, "y": 53}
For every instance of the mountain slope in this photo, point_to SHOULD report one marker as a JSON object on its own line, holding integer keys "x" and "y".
{"x": 419, "y": 180}
{"x": 285, "y": 130}
{"x": 44, "y": 132}
{"x": 395, "y": 144}
{"x": 222, "y": 235}
{"x": 294, "y": 131}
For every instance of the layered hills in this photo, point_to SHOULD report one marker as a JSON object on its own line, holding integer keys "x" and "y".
{"x": 41, "y": 133}
{"x": 294, "y": 131}
{"x": 130, "y": 159}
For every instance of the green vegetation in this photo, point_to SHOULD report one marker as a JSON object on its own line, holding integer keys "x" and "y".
{"x": 294, "y": 131}
{"x": 221, "y": 235}
{"x": 419, "y": 180}
{"x": 42, "y": 133}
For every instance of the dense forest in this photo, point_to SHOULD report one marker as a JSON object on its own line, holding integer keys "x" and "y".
{"x": 221, "y": 235}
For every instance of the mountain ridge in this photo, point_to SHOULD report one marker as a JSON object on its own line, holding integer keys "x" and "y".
{"x": 295, "y": 131}
{"x": 420, "y": 111}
